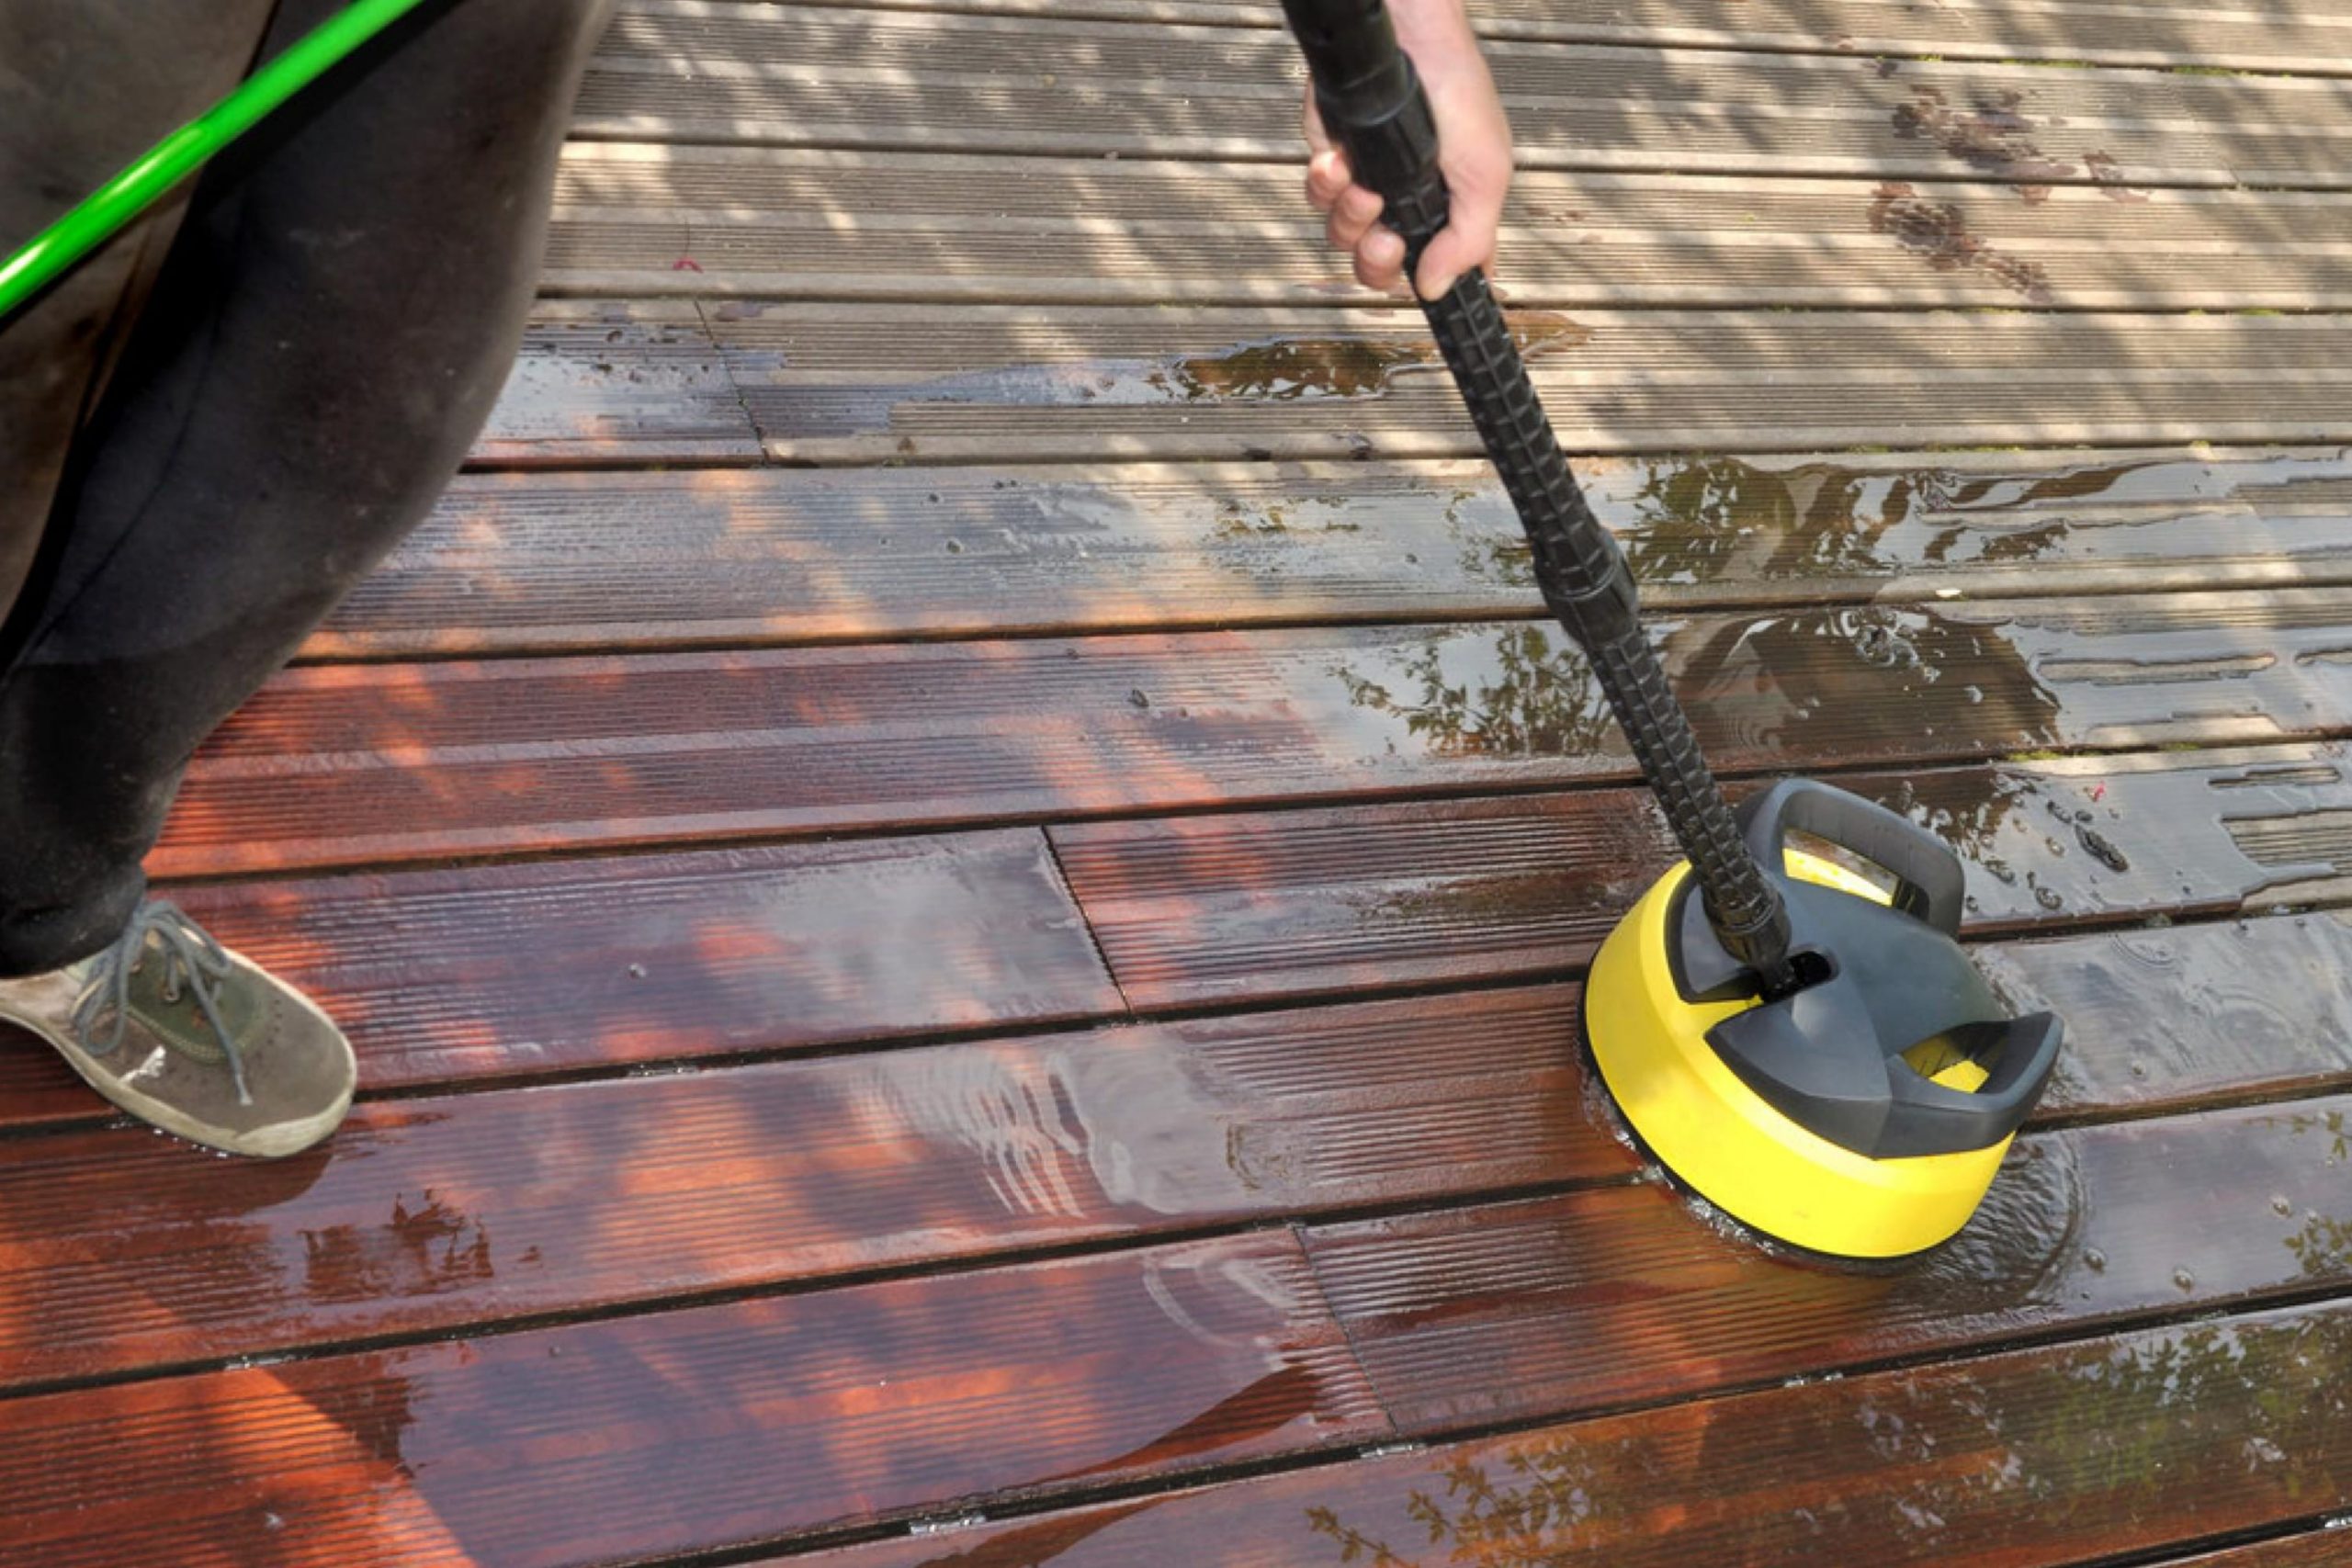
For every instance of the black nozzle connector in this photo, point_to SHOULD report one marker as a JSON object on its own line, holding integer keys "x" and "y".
{"x": 1598, "y": 607}
{"x": 1759, "y": 942}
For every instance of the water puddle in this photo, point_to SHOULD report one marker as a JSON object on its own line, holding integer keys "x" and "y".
{"x": 1268, "y": 370}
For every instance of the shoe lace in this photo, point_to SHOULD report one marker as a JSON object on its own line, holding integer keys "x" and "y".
{"x": 193, "y": 964}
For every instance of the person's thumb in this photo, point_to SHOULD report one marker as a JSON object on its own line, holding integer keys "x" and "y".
{"x": 1466, "y": 241}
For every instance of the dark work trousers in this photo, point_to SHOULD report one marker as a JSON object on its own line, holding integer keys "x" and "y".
{"x": 211, "y": 432}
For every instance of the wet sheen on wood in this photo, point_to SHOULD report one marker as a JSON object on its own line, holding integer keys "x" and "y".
{"x": 556, "y": 563}
{"x": 1604, "y": 1298}
{"x": 697, "y": 1429}
{"x": 831, "y": 383}
{"x": 2059, "y": 1454}
{"x": 527, "y": 969}
{"x": 436, "y": 1214}
{"x": 1201, "y": 909}
{"x": 372, "y": 764}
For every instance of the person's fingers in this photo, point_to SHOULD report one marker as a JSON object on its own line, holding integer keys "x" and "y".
{"x": 1327, "y": 179}
{"x": 1380, "y": 260}
{"x": 1352, "y": 216}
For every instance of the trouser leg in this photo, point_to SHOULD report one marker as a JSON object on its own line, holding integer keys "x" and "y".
{"x": 331, "y": 325}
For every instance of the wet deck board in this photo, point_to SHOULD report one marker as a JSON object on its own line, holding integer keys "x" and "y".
{"x": 652, "y": 220}
{"x": 585, "y": 561}
{"x": 460, "y": 1210}
{"x": 700, "y": 1428}
{"x": 1191, "y": 910}
{"x": 802, "y": 75}
{"x": 824, "y": 383}
{"x": 1599, "y": 1299}
{"x": 564, "y": 965}
{"x": 362, "y": 765}
{"x": 532, "y": 970}
{"x": 2044, "y": 1455}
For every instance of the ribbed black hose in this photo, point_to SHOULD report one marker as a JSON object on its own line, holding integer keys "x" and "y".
{"x": 1372, "y": 102}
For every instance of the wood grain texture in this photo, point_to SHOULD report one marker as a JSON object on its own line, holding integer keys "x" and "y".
{"x": 123, "y": 1251}
{"x": 336, "y": 765}
{"x": 1198, "y": 909}
{"x": 520, "y": 970}
{"x": 556, "y": 562}
{"x": 2312, "y": 1548}
{"x": 2161, "y": 1016}
{"x": 640, "y": 382}
{"x": 643, "y": 218}
{"x": 446, "y": 1214}
{"x": 810, "y": 76}
{"x": 2167, "y": 1016}
{"x": 869, "y": 383}
{"x": 1605, "y": 1298}
{"x": 2306, "y": 39}
{"x": 695, "y": 1429}
{"x": 2057, "y": 1454}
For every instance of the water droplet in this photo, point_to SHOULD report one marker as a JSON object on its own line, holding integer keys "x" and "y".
{"x": 637, "y": 971}
{"x": 955, "y": 547}
{"x": 2184, "y": 1279}
{"x": 2095, "y": 1260}
{"x": 2279, "y": 1206}
{"x": 2139, "y": 1068}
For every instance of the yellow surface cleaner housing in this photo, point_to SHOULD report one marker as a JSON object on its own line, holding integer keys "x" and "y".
{"x": 1864, "y": 1114}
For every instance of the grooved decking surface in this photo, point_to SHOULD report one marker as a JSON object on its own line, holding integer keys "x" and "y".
{"x": 962, "y": 866}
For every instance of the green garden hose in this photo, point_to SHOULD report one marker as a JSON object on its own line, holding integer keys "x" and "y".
{"x": 114, "y": 206}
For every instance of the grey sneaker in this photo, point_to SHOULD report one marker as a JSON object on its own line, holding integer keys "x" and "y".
{"x": 193, "y": 1038}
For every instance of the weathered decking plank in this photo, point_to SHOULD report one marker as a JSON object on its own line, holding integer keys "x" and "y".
{"x": 648, "y": 220}
{"x": 1200, "y": 910}
{"x": 2307, "y": 38}
{"x": 816, "y": 76}
{"x": 2054, "y": 1454}
{"x": 871, "y": 383}
{"x": 692, "y": 1430}
{"x": 522, "y": 970}
{"x": 345, "y": 765}
{"x": 554, "y": 562}
{"x": 639, "y": 382}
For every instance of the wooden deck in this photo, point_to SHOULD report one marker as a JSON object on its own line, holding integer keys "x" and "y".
{"x": 960, "y": 864}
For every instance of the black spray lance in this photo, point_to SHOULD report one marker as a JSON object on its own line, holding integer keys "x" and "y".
{"x": 1372, "y": 105}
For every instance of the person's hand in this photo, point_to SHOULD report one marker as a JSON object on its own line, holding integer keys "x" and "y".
{"x": 1474, "y": 150}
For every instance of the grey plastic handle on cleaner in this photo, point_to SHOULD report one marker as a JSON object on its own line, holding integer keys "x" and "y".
{"x": 1372, "y": 103}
